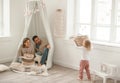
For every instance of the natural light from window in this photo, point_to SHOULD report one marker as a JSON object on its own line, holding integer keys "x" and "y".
{"x": 4, "y": 18}
{"x": 99, "y": 19}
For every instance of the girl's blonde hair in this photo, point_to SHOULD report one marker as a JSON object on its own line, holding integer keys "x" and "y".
{"x": 87, "y": 44}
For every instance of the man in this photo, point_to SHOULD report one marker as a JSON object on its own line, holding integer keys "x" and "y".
{"x": 41, "y": 48}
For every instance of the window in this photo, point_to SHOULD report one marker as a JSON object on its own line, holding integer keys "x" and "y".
{"x": 4, "y": 18}
{"x": 99, "y": 19}
{"x": 118, "y": 22}
{"x": 83, "y": 17}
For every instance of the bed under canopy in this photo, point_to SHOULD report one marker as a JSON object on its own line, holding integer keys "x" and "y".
{"x": 36, "y": 23}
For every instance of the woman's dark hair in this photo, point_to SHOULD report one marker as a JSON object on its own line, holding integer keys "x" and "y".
{"x": 24, "y": 40}
{"x": 35, "y": 36}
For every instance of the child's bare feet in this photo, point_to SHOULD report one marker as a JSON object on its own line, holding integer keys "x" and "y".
{"x": 79, "y": 79}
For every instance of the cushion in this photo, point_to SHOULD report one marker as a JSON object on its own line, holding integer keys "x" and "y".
{"x": 3, "y": 67}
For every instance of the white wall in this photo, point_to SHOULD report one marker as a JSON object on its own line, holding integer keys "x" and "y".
{"x": 52, "y": 6}
{"x": 67, "y": 54}
{"x": 8, "y": 45}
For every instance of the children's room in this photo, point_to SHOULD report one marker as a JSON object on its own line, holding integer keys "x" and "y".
{"x": 59, "y": 41}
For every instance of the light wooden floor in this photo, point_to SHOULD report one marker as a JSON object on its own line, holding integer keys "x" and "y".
{"x": 57, "y": 74}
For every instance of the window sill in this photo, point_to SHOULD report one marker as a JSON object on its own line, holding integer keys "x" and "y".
{"x": 4, "y": 39}
{"x": 103, "y": 46}
{"x": 96, "y": 44}
{"x": 106, "y": 44}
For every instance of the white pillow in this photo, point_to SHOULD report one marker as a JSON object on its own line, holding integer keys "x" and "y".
{"x": 3, "y": 67}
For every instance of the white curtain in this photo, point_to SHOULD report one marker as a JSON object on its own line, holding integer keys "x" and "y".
{"x": 70, "y": 18}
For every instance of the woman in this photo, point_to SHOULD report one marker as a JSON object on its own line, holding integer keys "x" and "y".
{"x": 26, "y": 52}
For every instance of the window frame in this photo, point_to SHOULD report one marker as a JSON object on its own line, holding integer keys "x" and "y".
{"x": 113, "y": 26}
{"x": 5, "y": 19}
{"x": 1, "y": 16}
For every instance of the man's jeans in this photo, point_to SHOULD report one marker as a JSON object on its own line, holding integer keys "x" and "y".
{"x": 44, "y": 56}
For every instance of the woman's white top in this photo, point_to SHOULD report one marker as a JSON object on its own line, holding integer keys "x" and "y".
{"x": 85, "y": 54}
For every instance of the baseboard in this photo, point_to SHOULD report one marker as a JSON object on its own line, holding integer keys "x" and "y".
{"x": 66, "y": 65}
{"x": 4, "y": 60}
{"x": 59, "y": 62}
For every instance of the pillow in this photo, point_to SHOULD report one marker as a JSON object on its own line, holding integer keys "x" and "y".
{"x": 3, "y": 67}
